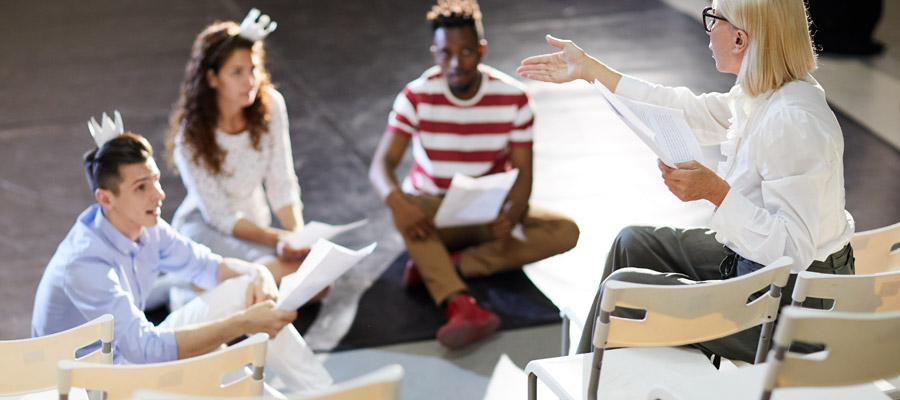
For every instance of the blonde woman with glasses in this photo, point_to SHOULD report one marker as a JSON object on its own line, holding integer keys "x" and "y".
{"x": 780, "y": 190}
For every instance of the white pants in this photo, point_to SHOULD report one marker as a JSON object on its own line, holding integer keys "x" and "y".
{"x": 288, "y": 357}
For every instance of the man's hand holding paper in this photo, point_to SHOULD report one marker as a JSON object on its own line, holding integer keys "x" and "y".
{"x": 409, "y": 218}
{"x": 474, "y": 201}
{"x": 262, "y": 287}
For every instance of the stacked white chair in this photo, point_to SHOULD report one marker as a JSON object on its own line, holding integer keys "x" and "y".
{"x": 861, "y": 348}
{"x": 196, "y": 376}
{"x": 874, "y": 289}
{"x": 29, "y": 365}
{"x": 875, "y": 251}
{"x": 675, "y": 315}
{"x": 381, "y": 384}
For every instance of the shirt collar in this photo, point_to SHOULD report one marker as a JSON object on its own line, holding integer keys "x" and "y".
{"x": 116, "y": 239}
{"x": 482, "y": 69}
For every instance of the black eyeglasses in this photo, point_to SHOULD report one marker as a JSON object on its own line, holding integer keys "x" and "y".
{"x": 709, "y": 18}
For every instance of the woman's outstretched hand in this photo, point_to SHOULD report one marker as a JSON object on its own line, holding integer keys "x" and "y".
{"x": 563, "y": 66}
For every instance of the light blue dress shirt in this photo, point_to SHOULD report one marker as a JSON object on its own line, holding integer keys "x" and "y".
{"x": 98, "y": 270}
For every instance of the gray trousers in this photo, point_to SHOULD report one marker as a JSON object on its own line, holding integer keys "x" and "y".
{"x": 670, "y": 256}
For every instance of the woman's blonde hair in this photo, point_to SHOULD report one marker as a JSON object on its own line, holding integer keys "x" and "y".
{"x": 780, "y": 49}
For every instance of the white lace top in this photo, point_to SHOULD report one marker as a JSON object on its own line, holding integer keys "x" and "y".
{"x": 248, "y": 178}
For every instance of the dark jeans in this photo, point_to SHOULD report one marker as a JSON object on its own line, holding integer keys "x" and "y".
{"x": 668, "y": 256}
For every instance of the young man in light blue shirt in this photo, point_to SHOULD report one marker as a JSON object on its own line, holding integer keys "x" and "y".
{"x": 117, "y": 248}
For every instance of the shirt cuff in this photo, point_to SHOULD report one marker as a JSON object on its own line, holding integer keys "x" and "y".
{"x": 208, "y": 277}
{"x": 170, "y": 346}
{"x": 735, "y": 211}
{"x": 632, "y": 87}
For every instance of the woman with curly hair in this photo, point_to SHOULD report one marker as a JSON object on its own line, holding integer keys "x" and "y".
{"x": 228, "y": 139}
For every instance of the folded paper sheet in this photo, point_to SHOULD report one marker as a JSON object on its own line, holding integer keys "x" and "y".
{"x": 325, "y": 263}
{"x": 474, "y": 201}
{"x": 663, "y": 129}
{"x": 314, "y": 230}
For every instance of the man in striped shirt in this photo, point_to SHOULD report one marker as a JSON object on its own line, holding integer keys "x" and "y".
{"x": 465, "y": 117}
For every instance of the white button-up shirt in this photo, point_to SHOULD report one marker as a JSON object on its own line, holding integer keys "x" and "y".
{"x": 783, "y": 159}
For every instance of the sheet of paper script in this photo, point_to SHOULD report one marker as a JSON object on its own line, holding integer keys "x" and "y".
{"x": 325, "y": 263}
{"x": 663, "y": 129}
{"x": 474, "y": 201}
{"x": 315, "y": 230}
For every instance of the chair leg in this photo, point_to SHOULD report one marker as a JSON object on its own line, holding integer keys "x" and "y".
{"x": 764, "y": 338}
{"x": 532, "y": 386}
{"x": 564, "y": 350}
{"x": 594, "y": 383}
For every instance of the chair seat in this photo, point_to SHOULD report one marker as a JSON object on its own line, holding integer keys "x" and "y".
{"x": 626, "y": 372}
{"x": 746, "y": 384}
{"x": 74, "y": 394}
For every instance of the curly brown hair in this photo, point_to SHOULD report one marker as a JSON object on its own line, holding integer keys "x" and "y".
{"x": 195, "y": 115}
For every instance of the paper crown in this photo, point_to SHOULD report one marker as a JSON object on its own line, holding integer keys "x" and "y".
{"x": 256, "y": 27}
{"x": 109, "y": 129}
{"x": 446, "y": 8}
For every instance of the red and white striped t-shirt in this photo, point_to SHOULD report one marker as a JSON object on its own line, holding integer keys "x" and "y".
{"x": 450, "y": 136}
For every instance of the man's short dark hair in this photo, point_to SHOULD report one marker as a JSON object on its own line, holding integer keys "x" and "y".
{"x": 101, "y": 165}
{"x": 456, "y": 14}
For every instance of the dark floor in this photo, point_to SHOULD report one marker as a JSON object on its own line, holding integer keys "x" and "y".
{"x": 339, "y": 65}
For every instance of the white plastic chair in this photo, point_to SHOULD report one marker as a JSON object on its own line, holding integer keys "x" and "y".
{"x": 570, "y": 319}
{"x": 872, "y": 250}
{"x": 861, "y": 348}
{"x": 381, "y": 384}
{"x": 198, "y": 376}
{"x": 875, "y": 293}
{"x": 29, "y": 365}
{"x": 675, "y": 316}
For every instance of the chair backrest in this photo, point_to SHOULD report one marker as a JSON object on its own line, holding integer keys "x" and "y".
{"x": 196, "y": 376}
{"x": 679, "y": 315}
{"x": 860, "y": 348}
{"x": 381, "y": 384}
{"x": 851, "y": 293}
{"x": 872, "y": 250}
{"x": 29, "y": 365}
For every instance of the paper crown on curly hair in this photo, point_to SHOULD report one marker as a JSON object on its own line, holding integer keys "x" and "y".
{"x": 463, "y": 8}
{"x": 108, "y": 130}
{"x": 256, "y": 27}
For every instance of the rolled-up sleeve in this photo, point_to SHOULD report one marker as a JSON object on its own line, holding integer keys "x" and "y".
{"x": 95, "y": 289}
{"x": 187, "y": 259}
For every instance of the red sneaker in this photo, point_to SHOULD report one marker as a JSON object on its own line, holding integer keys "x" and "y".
{"x": 467, "y": 323}
{"x": 411, "y": 275}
